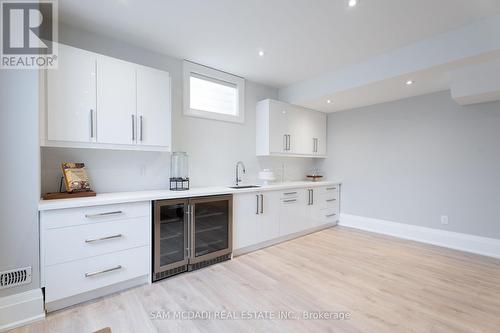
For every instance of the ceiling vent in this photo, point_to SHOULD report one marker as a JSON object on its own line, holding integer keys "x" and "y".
{"x": 15, "y": 277}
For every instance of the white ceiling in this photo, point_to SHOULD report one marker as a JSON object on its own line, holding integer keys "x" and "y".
{"x": 302, "y": 38}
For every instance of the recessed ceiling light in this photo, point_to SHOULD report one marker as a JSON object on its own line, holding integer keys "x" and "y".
{"x": 261, "y": 53}
{"x": 410, "y": 82}
{"x": 328, "y": 101}
{"x": 352, "y": 3}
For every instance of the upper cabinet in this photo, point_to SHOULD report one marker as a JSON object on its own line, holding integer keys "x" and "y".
{"x": 71, "y": 97}
{"x": 153, "y": 98}
{"x": 95, "y": 101}
{"x": 289, "y": 130}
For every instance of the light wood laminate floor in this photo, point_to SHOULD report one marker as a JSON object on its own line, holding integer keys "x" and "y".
{"x": 386, "y": 284}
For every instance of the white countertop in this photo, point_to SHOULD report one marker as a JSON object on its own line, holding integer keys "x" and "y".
{"x": 123, "y": 197}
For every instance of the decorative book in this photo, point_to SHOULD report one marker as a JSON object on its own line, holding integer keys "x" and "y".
{"x": 75, "y": 177}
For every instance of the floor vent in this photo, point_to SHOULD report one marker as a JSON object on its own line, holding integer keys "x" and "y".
{"x": 206, "y": 263}
{"x": 170, "y": 272}
{"x": 15, "y": 277}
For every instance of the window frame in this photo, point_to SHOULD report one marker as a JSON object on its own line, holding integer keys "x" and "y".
{"x": 215, "y": 75}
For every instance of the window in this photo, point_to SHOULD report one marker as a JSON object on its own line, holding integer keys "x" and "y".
{"x": 212, "y": 94}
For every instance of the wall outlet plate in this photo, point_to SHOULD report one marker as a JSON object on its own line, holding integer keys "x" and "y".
{"x": 444, "y": 219}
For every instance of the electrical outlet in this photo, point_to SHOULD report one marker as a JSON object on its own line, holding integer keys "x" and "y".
{"x": 444, "y": 219}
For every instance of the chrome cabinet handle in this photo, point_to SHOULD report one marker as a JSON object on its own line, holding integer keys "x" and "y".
{"x": 103, "y": 271}
{"x": 262, "y": 204}
{"x": 93, "y": 240}
{"x": 92, "y": 123}
{"x": 289, "y": 142}
{"x": 140, "y": 128}
{"x": 291, "y": 200}
{"x": 312, "y": 197}
{"x": 285, "y": 142}
{"x": 133, "y": 127}
{"x": 331, "y": 215}
{"x": 309, "y": 197}
{"x": 89, "y": 216}
{"x": 257, "y": 210}
{"x": 289, "y": 193}
{"x": 330, "y": 200}
{"x": 331, "y": 188}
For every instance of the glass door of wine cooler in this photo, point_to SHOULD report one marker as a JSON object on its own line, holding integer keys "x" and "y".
{"x": 171, "y": 226}
{"x": 211, "y": 231}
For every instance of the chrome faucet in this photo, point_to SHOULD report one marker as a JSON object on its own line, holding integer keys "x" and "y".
{"x": 238, "y": 179}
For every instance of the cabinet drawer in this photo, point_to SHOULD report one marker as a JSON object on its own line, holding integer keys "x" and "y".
{"x": 289, "y": 194}
{"x": 332, "y": 190}
{"x": 328, "y": 202}
{"x": 80, "y": 276}
{"x": 95, "y": 214}
{"x": 331, "y": 215}
{"x": 89, "y": 240}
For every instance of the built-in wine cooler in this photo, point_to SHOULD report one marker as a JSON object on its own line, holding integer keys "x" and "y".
{"x": 191, "y": 234}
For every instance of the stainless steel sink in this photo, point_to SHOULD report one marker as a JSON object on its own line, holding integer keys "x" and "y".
{"x": 244, "y": 186}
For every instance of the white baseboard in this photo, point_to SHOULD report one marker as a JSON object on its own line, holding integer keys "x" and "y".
{"x": 454, "y": 240}
{"x": 21, "y": 309}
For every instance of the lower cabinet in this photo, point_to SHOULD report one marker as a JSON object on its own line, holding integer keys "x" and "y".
{"x": 258, "y": 218}
{"x": 264, "y": 216}
{"x": 104, "y": 247}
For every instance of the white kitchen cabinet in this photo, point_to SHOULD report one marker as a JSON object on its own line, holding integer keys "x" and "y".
{"x": 116, "y": 100}
{"x": 257, "y": 218}
{"x": 289, "y": 130}
{"x": 71, "y": 97}
{"x": 153, "y": 107}
{"x": 244, "y": 220}
{"x": 293, "y": 212}
{"x": 268, "y": 219}
{"x": 84, "y": 251}
{"x": 96, "y": 101}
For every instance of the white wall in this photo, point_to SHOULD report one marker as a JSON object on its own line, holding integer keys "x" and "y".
{"x": 19, "y": 174}
{"x": 413, "y": 160}
{"x": 214, "y": 147}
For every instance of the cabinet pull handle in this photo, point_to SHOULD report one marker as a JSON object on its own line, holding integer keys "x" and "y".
{"x": 331, "y": 215}
{"x": 89, "y": 216}
{"x": 140, "y": 128}
{"x": 133, "y": 128}
{"x": 285, "y": 142}
{"x": 330, "y": 200}
{"x": 312, "y": 197}
{"x": 257, "y": 211}
{"x": 331, "y": 188}
{"x": 103, "y": 271}
{"x": 92, "y": 123}
{"x": 262, "y": 204}
{"x": 289, "y": 193}
{"x": 289, "y": 141}
{"x": 309, "y": 197}
{"x": 291, "y": 200}
{"x": 93, "y": 240}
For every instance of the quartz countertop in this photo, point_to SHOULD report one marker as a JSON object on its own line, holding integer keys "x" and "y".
{"x": 136, "y": 196}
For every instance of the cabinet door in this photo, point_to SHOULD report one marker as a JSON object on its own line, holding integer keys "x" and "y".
{"x": 268, "y": 226}
{"x": 319, "y": 133}
{"x": 316, "y": 215}
{"x": 299, "y": 129}
{"x": 71, "y": 96}
{"x": 293, "y": 212}
{"x": 153, "y": 107}
{"x": 116, "y": 100}
{"x": 279, "y": 115}
{"x": 245, "y": 207}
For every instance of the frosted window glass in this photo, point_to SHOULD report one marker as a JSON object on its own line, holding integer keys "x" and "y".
{"x": 213, "y": 96}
